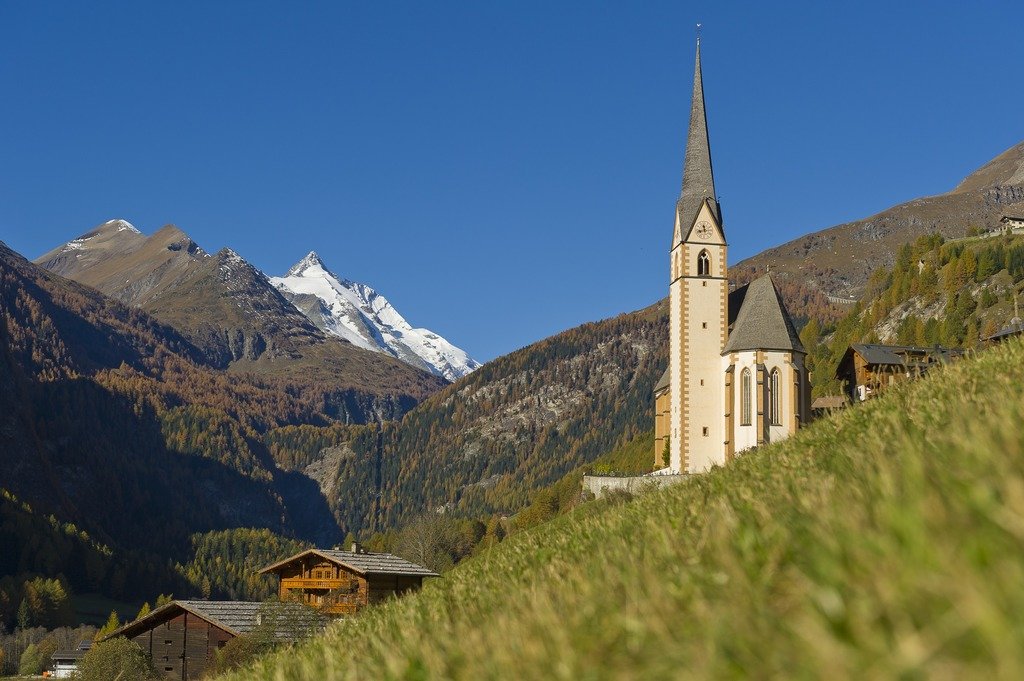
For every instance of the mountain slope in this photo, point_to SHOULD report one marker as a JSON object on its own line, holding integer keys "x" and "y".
{"x": 116, "y": 259}
{"x": 883, "y": 543}
{"x": 107, "y": 410}
{"x": 363, "y": 317}
{"x": 483, "y": 444}
{"x": 111, "y": 423}
{"x": 228, "y": 309}
{"x": 839, "y": 260}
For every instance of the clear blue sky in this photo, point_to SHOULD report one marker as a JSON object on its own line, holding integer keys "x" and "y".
{"x": 500, "y": 171}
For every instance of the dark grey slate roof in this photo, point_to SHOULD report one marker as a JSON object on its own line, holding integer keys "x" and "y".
{"x": 1014, "y": 328}
{"x": 698, "y": 178}
{"x": 763, "y": 322}
{"x": 289, "y": 620}
{"x": 68, "y": 655}
{"x": 903, "y": 355}
{"x": 363, "y": 563}
{"x": 1007, "y": 218}
{"x": 663, "y": 382}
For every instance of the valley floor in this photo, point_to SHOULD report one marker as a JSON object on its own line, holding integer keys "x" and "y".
{"x": 884, "y": 542}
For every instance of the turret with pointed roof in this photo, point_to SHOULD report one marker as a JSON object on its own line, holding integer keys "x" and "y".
{"x": 698, "y": 177}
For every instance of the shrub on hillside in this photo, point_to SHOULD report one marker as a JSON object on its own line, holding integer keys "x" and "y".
{"x": 117, "y": 658}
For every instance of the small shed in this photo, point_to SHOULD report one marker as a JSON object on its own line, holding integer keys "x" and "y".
{"x": 182, "y": 637}
{"x": 344, "y": 582}
{"x": 827, "y": 404}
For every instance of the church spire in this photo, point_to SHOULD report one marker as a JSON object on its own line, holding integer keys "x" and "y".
{"x": 698, "y": 179}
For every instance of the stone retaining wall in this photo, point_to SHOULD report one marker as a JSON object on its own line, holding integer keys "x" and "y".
{"x": 599, "y": 484}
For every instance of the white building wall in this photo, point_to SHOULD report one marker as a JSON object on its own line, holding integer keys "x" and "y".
{"x": 746, "y": 437}
{"x": 706, "y": 431}
{"x": 781, "y": 361}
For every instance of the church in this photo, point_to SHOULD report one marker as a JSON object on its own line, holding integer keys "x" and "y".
{"x": 736, "y": 377}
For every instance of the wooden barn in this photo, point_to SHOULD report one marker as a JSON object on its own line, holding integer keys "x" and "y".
{"x": 869, "y": 368}
{"x": 343, "y": 582}
{"x": 182, "y": 637}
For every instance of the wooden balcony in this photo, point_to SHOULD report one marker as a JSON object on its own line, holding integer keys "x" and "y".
{"x": 296, "y": 583}
{"x": 338, "y": 608}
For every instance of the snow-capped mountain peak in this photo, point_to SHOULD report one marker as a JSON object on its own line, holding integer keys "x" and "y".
{"x": 123, "y": 226}
{"x": 311, "y": 261}
{"x": 357, "y": 313}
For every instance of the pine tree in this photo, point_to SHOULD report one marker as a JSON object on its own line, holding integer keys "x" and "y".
{"x": 112, "y": 623}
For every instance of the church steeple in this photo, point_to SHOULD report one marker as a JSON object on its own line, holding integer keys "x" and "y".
{"x": 698, "y": 179}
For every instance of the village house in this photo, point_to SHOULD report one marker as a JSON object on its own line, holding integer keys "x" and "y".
{"x": 183, "y": 637}
{"x": 65, "y": 662}
{"x": 343, "y": 582}
{"x": 867, "y": 369}
{"x": 1013, "y": 223}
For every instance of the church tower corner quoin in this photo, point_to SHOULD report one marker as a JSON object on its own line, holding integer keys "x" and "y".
{"x": 726, "y": 388}
{"x": 698, "y": 292}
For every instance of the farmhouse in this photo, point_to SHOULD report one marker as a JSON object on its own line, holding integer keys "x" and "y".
{"x": 1013, "y": 223}
{"x": 182, "y": 637}
{"x": 343, "y": 582}
{"x": 869, "y": 368}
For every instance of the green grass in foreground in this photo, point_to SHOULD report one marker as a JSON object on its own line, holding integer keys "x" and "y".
{"x": 887, "y": 542}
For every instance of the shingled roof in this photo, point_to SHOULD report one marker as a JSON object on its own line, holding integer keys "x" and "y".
{"x": 698, "y": 178}
{"x": 663, "y": 382}
{"x": 763, "y": 322}
{"x": 289, "y": 620}
{"x": 903, "y": 355}
{"x": 363, "y": 563}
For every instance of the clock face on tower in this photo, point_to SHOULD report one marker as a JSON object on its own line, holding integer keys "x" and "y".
{"x": 703, "y": 230}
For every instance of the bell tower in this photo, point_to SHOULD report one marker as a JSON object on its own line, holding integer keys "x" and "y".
{"x": 698, "y": 298}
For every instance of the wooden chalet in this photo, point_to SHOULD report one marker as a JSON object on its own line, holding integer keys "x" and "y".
{"x": 182, "y": 637}
{"x": 868, "y": 369}
{"x": 343, "y": 582}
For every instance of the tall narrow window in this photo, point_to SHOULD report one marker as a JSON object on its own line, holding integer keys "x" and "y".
{"x": 745, "y": 398}
{"x": 703, "y": 264}
{"x": 773, "y": 397}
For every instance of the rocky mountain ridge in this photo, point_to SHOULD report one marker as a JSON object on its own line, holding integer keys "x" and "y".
{"x": 839, "y": 260}
{"x": 360, "y": 315}
{"x": 229, "y": 310}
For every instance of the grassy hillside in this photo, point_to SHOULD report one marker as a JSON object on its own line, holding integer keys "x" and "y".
{"x": 885, "y": 542}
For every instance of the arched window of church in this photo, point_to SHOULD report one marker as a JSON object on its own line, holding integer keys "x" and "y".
{"x": 773, "y": 397}
{"x": 703, "y": 264}
{"x": 745, "y": 410}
